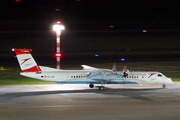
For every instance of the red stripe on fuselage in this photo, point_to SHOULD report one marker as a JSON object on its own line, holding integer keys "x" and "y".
{"x": 33, "y": 69}
{"x": 151, "y": 74}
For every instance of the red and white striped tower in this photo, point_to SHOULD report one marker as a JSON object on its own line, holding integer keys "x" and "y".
{"x": 58, "y": 54}
{"x": 58, "y": 27}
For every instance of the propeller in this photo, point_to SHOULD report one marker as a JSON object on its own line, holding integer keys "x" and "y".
{"x": 114, "y": 68}
{"x": 104, "y": 71}
{"x": 125, "y": 70}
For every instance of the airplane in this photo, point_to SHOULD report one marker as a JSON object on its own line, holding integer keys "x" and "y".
{"x": 88, "y": 75}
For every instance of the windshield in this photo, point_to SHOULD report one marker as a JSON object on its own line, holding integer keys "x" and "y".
{"x": 159, "y": 75}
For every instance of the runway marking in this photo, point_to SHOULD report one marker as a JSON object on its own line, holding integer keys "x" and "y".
{"x": 11, "y": 115}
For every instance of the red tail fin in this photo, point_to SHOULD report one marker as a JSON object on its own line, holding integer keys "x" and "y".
{"x": 26, "y": 60}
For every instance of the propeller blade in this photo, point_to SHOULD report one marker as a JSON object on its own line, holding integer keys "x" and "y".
{"x": 124, "y": 69}
{"x": 114, "y": 67}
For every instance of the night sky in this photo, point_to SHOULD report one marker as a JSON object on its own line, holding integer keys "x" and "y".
{"x": 126, "y": 13}
{"x": 24, "y": 22}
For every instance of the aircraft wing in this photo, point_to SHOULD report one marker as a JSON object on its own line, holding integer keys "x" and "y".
{"x": 98, "y": 76}
{"x": 103, "y": 71}
{"x": 102, "y": 74}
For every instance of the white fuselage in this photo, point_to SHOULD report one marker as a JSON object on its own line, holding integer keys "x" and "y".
{"x": 148, "y": 77}
{"x": 80, "y": 77}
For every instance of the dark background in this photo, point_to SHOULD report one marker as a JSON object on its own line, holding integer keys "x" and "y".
{"x": 88, "y": 29}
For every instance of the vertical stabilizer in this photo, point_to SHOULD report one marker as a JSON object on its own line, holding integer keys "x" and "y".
{"x": 26, "y": 61}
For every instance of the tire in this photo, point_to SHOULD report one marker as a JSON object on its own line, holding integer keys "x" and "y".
{"x": 91, "y": 85}
{"x": 163, "y": 86}
{"x": 101, "y": 88}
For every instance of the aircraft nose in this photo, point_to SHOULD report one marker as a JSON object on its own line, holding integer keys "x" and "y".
{"x": 169, "y": 80}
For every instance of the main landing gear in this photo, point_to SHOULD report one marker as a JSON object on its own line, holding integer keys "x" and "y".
{"x": 101, "y": 88}
{"x": 91, "y": 85}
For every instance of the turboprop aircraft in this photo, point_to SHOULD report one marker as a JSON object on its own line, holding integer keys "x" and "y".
{"x": 88, "y": 75}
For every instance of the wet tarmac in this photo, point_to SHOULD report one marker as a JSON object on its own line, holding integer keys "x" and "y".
{"x": 78, "y": 102}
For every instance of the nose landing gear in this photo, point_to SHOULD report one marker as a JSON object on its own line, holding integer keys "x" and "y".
{"x": 164, "y": 86}
{"x": 101, "y": 88}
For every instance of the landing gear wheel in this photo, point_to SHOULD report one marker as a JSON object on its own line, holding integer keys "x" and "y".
{"x": 163, "y": 86}
{"x": 101, "y": 88}
{"x": 91, "y": 85}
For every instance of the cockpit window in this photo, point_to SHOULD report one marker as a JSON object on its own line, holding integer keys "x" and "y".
{"x": 159, "y": 75}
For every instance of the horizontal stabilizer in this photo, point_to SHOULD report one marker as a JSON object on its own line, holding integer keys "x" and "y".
{"x": 43, "y": 68}
{"x": 86, "y": 67}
